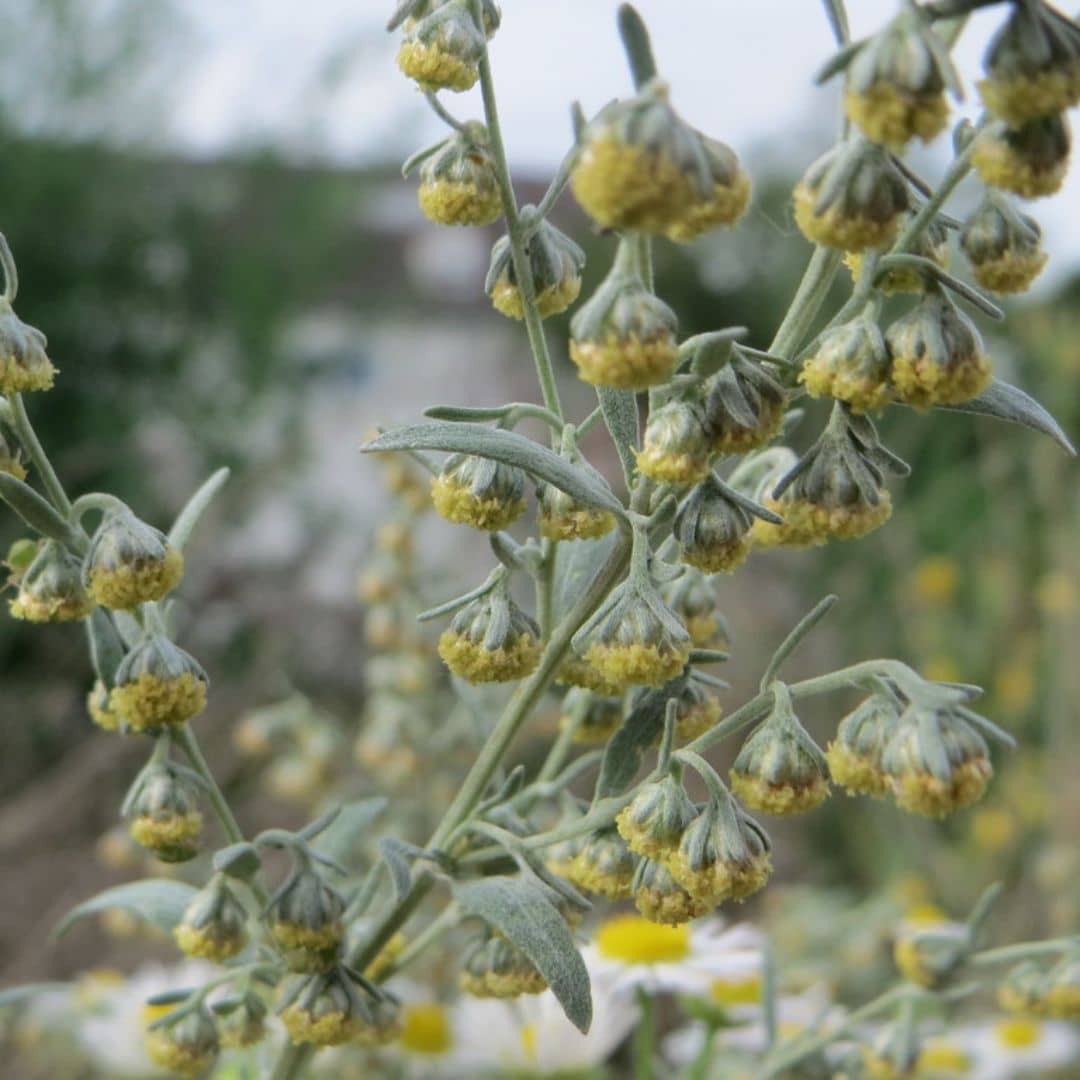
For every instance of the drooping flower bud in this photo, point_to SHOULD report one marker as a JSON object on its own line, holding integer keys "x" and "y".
{"x": 99, "y": 706}
{"x": 624, "y": 336}
{"x": 895, "y": 1052}
{"x": 854, "y": 756}
{"x": 457, "y": 180}
{"x": 594, "y": 718}
{"x": 712, "y": 529}
{"x": 480, "y": 492}
{"x": 491, "y": 640}
{"x": 385, "y": 1025}
{"x": 896, "y": 86}
{"x": 603, "y": 865}
{"x": 642, "y": 167}
{"x": 495, "y": 968}
{"x": 1032, "y": 65}
{"x": 723, "y": 854}
{"x": 1003, "y": 246}
{"x": 23, "y": 363}
{"x": 780, "y": 769}
{"x": 442, "y": 49}
{"x": 214, "y": 925}
{"x": 836, "y": 490}
{"x": 327, "y": 1011}
{"x": 1062, "y": 997}
{"x": 744, "y": 405}
{"x": 692, "y": 597}
{"x": 851, "y": 198}
{"x": 1030, "y": 161}
{"x": 930, "y": 956}
{"x": 51, "y": 589}
{"x": 241, "y": 1021}
{"x": 938, "y": 354}
{"x": 936, "y": 762}
{"x": 305, "y": 922}
{"x": 697, "y": 707}
{"x": 188, "y": 1047}
{"x": 561, "y": 517}
{"x": 727, "y": 201}
{"x": 556, "y": 263}
{"x": 849, "y": 362}
{"x": 130, "y": 563}
{"x": 676, "y": 447}
{"x": 158, "y": 684}
{"x": 661, "y": 899}
{"x": 652, "y": 823}
{"x": 164, "y": 814}
{"x": 634, "y": 638}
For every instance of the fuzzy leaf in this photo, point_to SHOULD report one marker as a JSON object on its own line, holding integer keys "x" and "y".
{"x": 575, "y": 567}
{"x": 838, "y": 61}
{"x": 343, "y": 838}
{"x": 106, "y": 646}
{"x": 396, "y": 855}
{"x": 621, "y": 416}
{"x": 523, "y": 915}
{"x": 581, "y": 482}
{"x": 195, "y": 507}
{"x": 626, "y": 749}
{"x": 34, "y": 510}
{"x": 1005, "y": 402}
{"x": 156, "y": 900}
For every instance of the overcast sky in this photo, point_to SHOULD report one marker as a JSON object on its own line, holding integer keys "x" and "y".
{"x": 320, "y": 77}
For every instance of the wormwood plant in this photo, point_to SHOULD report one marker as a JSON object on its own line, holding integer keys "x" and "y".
{"x": 624, "y": 625}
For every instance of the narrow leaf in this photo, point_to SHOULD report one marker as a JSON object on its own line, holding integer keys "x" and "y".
{"x": 582, "y": 482}
{"x": 34, "y": 510}
{"x": 156, "y": 900}
{"x": 519, "y": 911}
{"x": 838, "y": 61}
{"x": 344, "y": 838}
{"x": 621, "y": 416}
{"x": 16, "y": 995}
{"x": 626, "y": 749}
{"x": 396, "y": 856}
{"x": 195, "y": 507}
{"x": 575, "y": 567}
{"x": 1005, "y": 402}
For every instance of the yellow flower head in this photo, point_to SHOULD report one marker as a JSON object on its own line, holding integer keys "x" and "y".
{"x": 130, "y": 563}
{"x": 51, "y": 588}
{"x": 854, "y": 757}
{"x": 306, "y": 923}
{"x": 187, "y": 1048}
{"x": 725, "y": 204}
{"x": 243, "y": 1024}
{"x": 593, "y": 717}
{"x": 494, "y": 968}
{"x": 744, "y": 405}
{"x": 491, "y": 640}
{"x": 661, "y": 899}
{"x": 555, "y": 263}
{"x": 214, "y": 923}
{"x": 23, "y": 363}
{"x": 938, "y": 355}
{"x": 929, "y": 957}
{"x": 933, "y": 244}
{"x": 851, "y": 198}
{"x": 1062, "y": 995}
{"x": 676, "y": 446}
{"x": 164, "y": 814}
{"x": 1023, "y": 990}
{"x": 158, "y": 684}
{"x": 480, "y": 492}
{"x": 442, "y": 50}
{"x": 604, "y": 865}
{"x": 100, "y": 708}
{"x": 457, "y": 180}
{"x": 562, "y": 517}
{"x": 653, "y": 822}
{"x": 1030, "y": 161}
{"x": 712, "y": 528}
{"x": 1003, "y": 246}
{"x": 850, "y": 363}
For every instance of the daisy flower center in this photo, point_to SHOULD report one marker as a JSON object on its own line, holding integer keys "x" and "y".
{"x": 635, "y": 940}
{"x": 944, "y": 1057}
{"x": 737, "y": 991}
{"x": 426, "y": 1029}
{"x": 1018, "y": 1033}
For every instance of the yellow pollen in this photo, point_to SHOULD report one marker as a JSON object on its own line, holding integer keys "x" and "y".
{"x": 737, "y": 991}
{"x": 943, "y": 1057}
{"x": 426, "y": 1029}
{"x": 1018, "y": 1032}
{"x": 528, "y": 1041}
{"x": 635, "y": 940}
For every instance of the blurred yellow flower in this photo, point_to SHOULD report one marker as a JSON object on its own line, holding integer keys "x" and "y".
{"x": 934, "y": 580}
{"x": 941, "y": 669}
{"x": 993, "y": 830}
{"x": 1056, "y": 593}
{"x": 1015, "y": 685}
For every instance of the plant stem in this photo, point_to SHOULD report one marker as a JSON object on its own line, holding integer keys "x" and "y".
{"x": 644, "y": 1037}
{"x": 809, "y": 297}
{"x": 293, "y": 1059}
{"x": 32, "y": 445}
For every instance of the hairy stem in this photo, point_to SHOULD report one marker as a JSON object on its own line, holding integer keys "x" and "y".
{"x": 26, "y": 434}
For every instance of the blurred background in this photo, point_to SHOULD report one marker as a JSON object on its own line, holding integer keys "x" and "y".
{"x": 206, "y": 208}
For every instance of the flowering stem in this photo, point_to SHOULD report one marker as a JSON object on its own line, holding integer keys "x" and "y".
{"x": 22, "y": 427}
{"x": 644, "y": 1036}
{"x": 794, "y": 639}
{"x": 1010, "y": 954}
{"x": 809, "y": 297}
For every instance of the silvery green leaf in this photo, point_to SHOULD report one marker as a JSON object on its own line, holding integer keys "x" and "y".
{"x": 156, "y": 900}
{"x": 34, "y": 510}
{"x": 626, "y": 749}
{"x": 575, "y": 567}
{"x": 463, "y": 414}
{"x": 396, "y": 855}
{"x": 238, "y": 860}
{"x": 582, "y": 482}
{"x": 620, "y": 411}
{"x": 838, "y": 61}
{"x": 519, "y": 911}
{"x": 344, "y": 837}
{"x": 402, "y": 12}
{"x": 193, "y": 510}
{"x": 1005, "y": 402}
{"x": 16, "y": 995}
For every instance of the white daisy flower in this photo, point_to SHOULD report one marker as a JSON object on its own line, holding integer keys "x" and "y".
{"x": 1018, "y": 1046}
{"x": 628, "y": 951}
